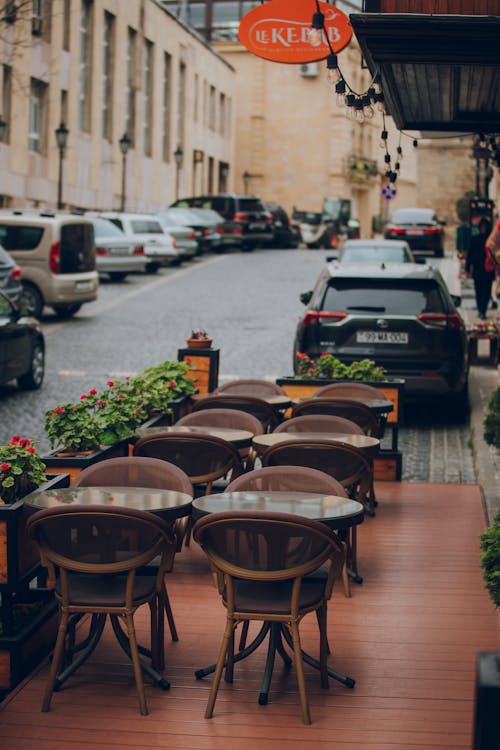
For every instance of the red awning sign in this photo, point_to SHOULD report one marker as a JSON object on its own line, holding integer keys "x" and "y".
{"x": 279, "y": 31}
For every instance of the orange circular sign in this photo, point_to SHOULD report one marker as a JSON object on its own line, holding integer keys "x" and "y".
{"x": 279, "y": 31}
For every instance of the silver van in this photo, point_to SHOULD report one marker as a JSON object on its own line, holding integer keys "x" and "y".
{"x": 56, "y": 254}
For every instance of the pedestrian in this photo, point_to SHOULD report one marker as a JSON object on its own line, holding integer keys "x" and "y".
{"x": 491, "y": 243}
{"x": 475, "y": 267}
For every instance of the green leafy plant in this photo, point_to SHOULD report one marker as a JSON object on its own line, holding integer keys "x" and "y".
{"x": 21, "y": 469}
{"x": 329, "y": 367}
{"x": 490, "y": 560}
{"x": 102, "y": 418}
{"x": 492, "y": 420}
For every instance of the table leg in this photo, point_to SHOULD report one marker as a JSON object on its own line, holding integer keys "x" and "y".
{"x": 124, "y": 643}
{"x": 242, "y": 654}
{"x": 85, "y": 648}
{"x": 347, "y": 681}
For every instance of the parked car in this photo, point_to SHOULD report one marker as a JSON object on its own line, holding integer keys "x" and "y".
{"x": 211, "y": 221}
{"x": 401, "y": 315}
{"x": 10, "y": 277}
{"x": 22, "y": 347}
{"x": 375, "y": 251}
{"x": 159, "y": 247}
{"x": 116, "y": 254}
{"x": 56, "y": 254}
{"x": 246, "y": 224}
{"x": 284, "y": 233}
{"x": 184, "y": 234}
{"x": 420, "y": 227}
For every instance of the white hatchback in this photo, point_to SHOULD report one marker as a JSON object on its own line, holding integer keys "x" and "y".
{"x": 160, "y": 249}
{"x": 116, "y": 255}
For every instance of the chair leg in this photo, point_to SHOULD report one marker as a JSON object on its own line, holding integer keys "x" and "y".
{"x": 169, "y": 613}
{"x": 134, "y": 655}
{"x": 346, "y": 581}
{"x": 244, "y": 634}
{"x": 299, "y": 667}
{"x": 57, "y": 658}
{"x": 324, "y": 648}
{"x": 219, "y": 667}
{"x": 154, "y": 612}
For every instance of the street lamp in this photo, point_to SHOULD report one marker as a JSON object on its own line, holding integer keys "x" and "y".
{"x": 3, "y": 128}
{"x": 223, "y": 173}
{"x": 246, "y": 181}
{"x": 62, "y": 133}
{"x": 178, "y": 156}
{"x": 124, "y": 143}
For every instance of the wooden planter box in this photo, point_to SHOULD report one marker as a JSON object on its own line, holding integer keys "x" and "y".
{"x": 58, "y": 461}
{"x": 389, "y": 463}
{"x": 19, "y": 559}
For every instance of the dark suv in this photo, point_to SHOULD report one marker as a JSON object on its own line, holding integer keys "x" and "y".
{"x": 401, "y": 315}
{"x": 247, "y": 223}
{"x": 420, "y": 227}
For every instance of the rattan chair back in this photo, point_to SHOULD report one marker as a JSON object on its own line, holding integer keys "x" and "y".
{"x": 230, "y": 418}
{"x": 320, "y": 423}
{"x": 287, "y": 479}
{"x": 257, "y": 388}
{"x": 340, "y": 407}
{"x": 259, "y": 408}
{"x": 134, "y": 471}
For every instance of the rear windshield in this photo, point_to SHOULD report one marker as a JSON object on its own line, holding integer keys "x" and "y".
{"x": 409, "y": 216}
{"x": 104, "y": 228}
{"x": 371, "y": 254}
{"x": 146, "y": 226}
{"x": 77, "y": 247}
{"x": 20, "y": 237}
{"x": 387, "y": 297}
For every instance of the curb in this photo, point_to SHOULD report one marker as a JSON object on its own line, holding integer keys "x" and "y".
{"x": 482, "y": 382}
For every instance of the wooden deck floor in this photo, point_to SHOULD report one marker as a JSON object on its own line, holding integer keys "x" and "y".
{"x": 409, "y": 636}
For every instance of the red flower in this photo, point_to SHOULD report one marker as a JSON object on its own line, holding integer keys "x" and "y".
{"x": 110, "y": 383}
{"x": 311, "y": 369}
{"x": 188, "y": 360}
{"x": 5, "y": 467}
{"x": 120, "y": 397}
{"x": 101, "y": 403}
{"x": 15, "y": 439}
{"x": 83, "y": 397}
{"x": 92, "y": 392}
{"x": 323, "y": 354}
{"x": 172, "y": 384}
{"x": 30, "y": 449}
{"x": 24, "y": 442}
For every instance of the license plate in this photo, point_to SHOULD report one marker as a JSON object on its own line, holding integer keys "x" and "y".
{"x": 119, "y": 251}
{"x": 256, "y": 227}
{"x": 414, "y": 232}
{"x": 84, "y": 285}
{"x": 381, "y": 337}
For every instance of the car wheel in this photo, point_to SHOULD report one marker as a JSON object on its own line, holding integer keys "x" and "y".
{"x": 247, "y": 248}
{"x": 439, "y": 253}
{"x": 31, "y": 300}
{"x": 152, "y": 267}
{"x": 66, "y": 311}
{"x": 117, "y": 275}
{"x": 33, "y": 379}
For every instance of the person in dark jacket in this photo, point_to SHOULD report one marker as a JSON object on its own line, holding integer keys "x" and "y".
{"x": 475, "y": 267}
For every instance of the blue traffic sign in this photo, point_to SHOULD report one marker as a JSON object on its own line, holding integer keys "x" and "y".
{"x": 388, "y": 191}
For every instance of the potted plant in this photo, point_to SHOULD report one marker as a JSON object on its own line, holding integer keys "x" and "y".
{"x": 27, "y": 614}
{"x": 199, "y": 339}
{"x": 490, "y": 560}
{"x": 492, "y": 420}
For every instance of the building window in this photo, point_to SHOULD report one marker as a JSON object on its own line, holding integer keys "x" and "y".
{"x": 107, "y": 75}
{"x": 85, "y": 66}
{"x": 211, "y": 108}
{"x": 40, "y": 18}
{"x": 66, "y": 24}
{"x": 205, "y": 104}
{"x": 222, "y": 114}
{"x": 165, "y": 116}
{"x": 210, "y": 185}
{"x": 38, "y": 112}
{"x": 181, "y": 103}
{"x": 147, "y": 81}
{"x": 196, "y": 97}
{"x": 130, "y": 84}
{"x": 228, "y": 124}
{"x": 7, "y": 100}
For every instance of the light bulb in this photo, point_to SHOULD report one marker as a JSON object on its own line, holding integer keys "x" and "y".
{"x": 351, "y": 103}
{"x": 341, "y": 99}
{"x": 383, "y": 139}
{"x": 368, "y": 110}
{"x": 400, "y": 153}
{"x": 376, "y": 84}
{"x": 358, "y": 111}
{"x": 333, "y": 73}
{"x": 316, "y": 32}
{"x": 380, "y": 103}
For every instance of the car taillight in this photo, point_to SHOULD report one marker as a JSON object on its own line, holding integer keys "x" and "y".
{"x": 395, "y": 230}
{"x": 16, "y": 273}
{"x": 101, "y": 251}
{"x": 174, "y": 243}
{"x": 191, "y": 236}
{"x": 239, "y": 217}
{"x": 432, "y": 230}
{"x": 139, "y": 250}
{"x": 55, "y": 257}
{"x": 269, "y": 217}
{"x": 312, "y": 316}
{"x": 442, "y": 320}
{"x": 207, "y": 231}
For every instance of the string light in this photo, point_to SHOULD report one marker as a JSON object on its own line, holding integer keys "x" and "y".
{"x": 383, "y": 139}
{"x": 333, "y": 73}
{"x": 316, "y": 32}
{"x": 368, "y": 110}
{"x": 340, "y": 92}
{"x": 350, "y": 105}
{"x": 358, "y": 110}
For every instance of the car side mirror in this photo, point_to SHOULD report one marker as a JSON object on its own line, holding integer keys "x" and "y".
{"x": 457, "y": 301}
{"x": 305, "y": 297}
{"x": 443, "y": 223}
{"x": 421, "y": 260}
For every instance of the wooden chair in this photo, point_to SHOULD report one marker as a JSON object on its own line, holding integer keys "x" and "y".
{"x": 259, "y": 408}
{"x": 256, "y": 388}
{"x": 261, "y": 579}
{"x": 92, "y": 556}
{"x": 140, "y": 471}
{"x": 340, "y": 407}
